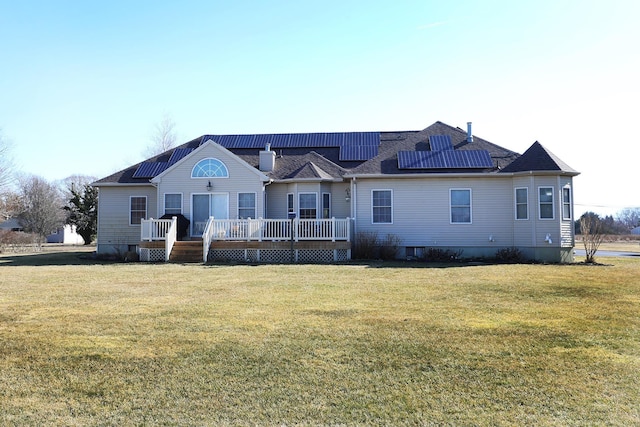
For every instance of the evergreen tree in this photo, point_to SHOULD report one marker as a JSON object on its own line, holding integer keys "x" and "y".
{"x": 82, "y": 211}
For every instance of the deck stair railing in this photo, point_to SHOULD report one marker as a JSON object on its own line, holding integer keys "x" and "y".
{"x": 329, "y": 229}
{"x": 160, "y": 229}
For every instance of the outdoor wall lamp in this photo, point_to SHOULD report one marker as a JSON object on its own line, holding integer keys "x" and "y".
{"x": 347, "y": 193}
{"x": 491, "y": 238}
{"x": 548, "y": 238}
{"x": 209, "y": 186}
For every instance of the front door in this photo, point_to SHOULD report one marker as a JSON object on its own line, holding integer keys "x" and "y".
{"x": 206, "y": 205}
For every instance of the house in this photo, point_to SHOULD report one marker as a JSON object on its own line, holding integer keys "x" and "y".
{"x": 67, "y": 235}
{"x": 304, "y": 197}
{"x": 11, "y": 224}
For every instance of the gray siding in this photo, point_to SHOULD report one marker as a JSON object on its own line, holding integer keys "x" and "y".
{"x": 242, "y": 179}
{"x": 114, "y": 231}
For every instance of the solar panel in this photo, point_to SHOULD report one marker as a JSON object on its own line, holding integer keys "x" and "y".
{"x": 446, "y": 159}
{"x": 440, "y": 142}
{"x": 178, "y": 154}
{"x": 358, "y": 152}
{"x": 296, "y": 140}
{"x": 150, "y": 169}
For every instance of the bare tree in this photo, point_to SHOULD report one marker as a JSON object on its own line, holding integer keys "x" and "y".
{"x": 6, "y": 161}
{"x": 163, "y": 137}
{"x": 41, "y": 209}
{"x": 629, "y": 217}
{"x": 9, "y": 204}
{"x": 592, "y": 229}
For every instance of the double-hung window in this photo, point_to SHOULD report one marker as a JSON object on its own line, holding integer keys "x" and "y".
{"x": 308, "y": 205}
{"x": 381, "y": 206}
{"x": 172, "y": 204}
{"x": 566, "y": 203}
{"x": 522, "y": 203}
{"x": 137, "y": 209}
{"x": 460, "y": 204}
{"x": 545, "y": 202}
{"x": 326, "y": 205}
{"x": 246, "y": 205}
{"x": 290, "y": 208}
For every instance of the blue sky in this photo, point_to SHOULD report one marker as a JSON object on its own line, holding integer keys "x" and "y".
{"x": 82, "y": 84}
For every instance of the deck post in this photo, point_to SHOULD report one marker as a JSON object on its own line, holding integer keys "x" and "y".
{"x": 333, "y": 229}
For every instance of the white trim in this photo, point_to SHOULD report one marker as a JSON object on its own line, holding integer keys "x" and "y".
{"x": 146, "y": 208}
{"x": 255, "y": 203}
{"x": 209, "y": 177}
{"x": 322, "y": 205}
{"x": 451, "y": 222}
{"x": 371, "y": 200}
{"x": 207, "y": 143}
{"x": 291, "y": 208}
{"x": 299, "y": 204}
{"x": 570, "y": 202}
{"x": 515, "y": 203}
{"x": 164, "y": 202}
{"x": 553, "y": 203}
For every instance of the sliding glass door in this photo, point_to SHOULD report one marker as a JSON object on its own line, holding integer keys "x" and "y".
{"x": 205, "y": 205}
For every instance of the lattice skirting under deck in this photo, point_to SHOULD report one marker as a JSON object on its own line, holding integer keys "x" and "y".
{"x": 280, "y": 256}
{"x": 151, "y": 254}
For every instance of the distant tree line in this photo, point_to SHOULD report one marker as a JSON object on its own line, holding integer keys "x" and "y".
{"x": 42, "y": 207}
{"x": 622, "y": 223}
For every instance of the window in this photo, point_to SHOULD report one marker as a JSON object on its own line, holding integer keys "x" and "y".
{"x": 460, "y": 202}
{"x": 326, "y": 205}
{"x": 522, "y": 203}
{"x": 172, "y": 204}
{"x": 566, "y": 203}
{"x": 308, "y": 205}
{"x": 246, "y": 205}
{"x": 210, "y": 168}
{"x": 381, "y": 207}
{"x": 545, "y": 201}
{"x": 290, "y": 202}
{"x": 137, "y": 209}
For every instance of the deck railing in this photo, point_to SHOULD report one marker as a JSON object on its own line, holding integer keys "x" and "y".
{"x": 330, "y": 229}
{"x": 260, "y": 229}
{"x": 160, "y": 229}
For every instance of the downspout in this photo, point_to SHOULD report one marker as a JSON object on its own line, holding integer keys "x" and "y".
{"x": 354, "y": 205}
{"x": 264, "y": 197}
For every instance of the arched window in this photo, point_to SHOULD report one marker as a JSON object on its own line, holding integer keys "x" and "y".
{"x": 210, "y": 168}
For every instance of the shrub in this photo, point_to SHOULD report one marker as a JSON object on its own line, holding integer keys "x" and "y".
{"x": 366, "y": 245}
{"x": 509, "y": 255}
{"x": 389, "y": 247}
{"x": 442, "y": 255}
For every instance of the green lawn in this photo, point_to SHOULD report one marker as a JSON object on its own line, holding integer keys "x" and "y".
{"x": 87, "y": 343}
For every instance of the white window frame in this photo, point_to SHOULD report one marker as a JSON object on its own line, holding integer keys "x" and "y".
{"x": 291, "y": 203}
{"x": 451, "y": 206}
{"x": 146, "y": 209}
{"x": 567, "y": 203}
{"x": 553, "y": 203}
{"x": 328, "y": 207}
{"x": 390, "y": 207}
{"x": 300, "y": 204}
{"x": 196, "y": 166}
{"x": 255, "y": 204}
{"x": 173, "y": 194}
{"x": 526, "y": 203}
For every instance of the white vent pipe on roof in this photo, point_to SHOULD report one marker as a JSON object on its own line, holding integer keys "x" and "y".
{"x": 469, "y": 135}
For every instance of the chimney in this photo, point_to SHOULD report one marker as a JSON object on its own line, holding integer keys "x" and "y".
{"x": 469, "y": 135}
{"x": 267, "y": 159}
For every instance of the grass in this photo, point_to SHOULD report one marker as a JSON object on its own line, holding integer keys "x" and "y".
{"x": 87, "y": 343}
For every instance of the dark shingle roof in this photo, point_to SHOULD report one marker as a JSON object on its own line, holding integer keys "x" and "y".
{"x": 386, "y": 162}
{"x": 323, "y": 162}
{"x": 538, "y": 158}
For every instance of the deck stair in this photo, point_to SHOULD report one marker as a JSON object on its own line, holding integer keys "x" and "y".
{"x": 187, "y": 251}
